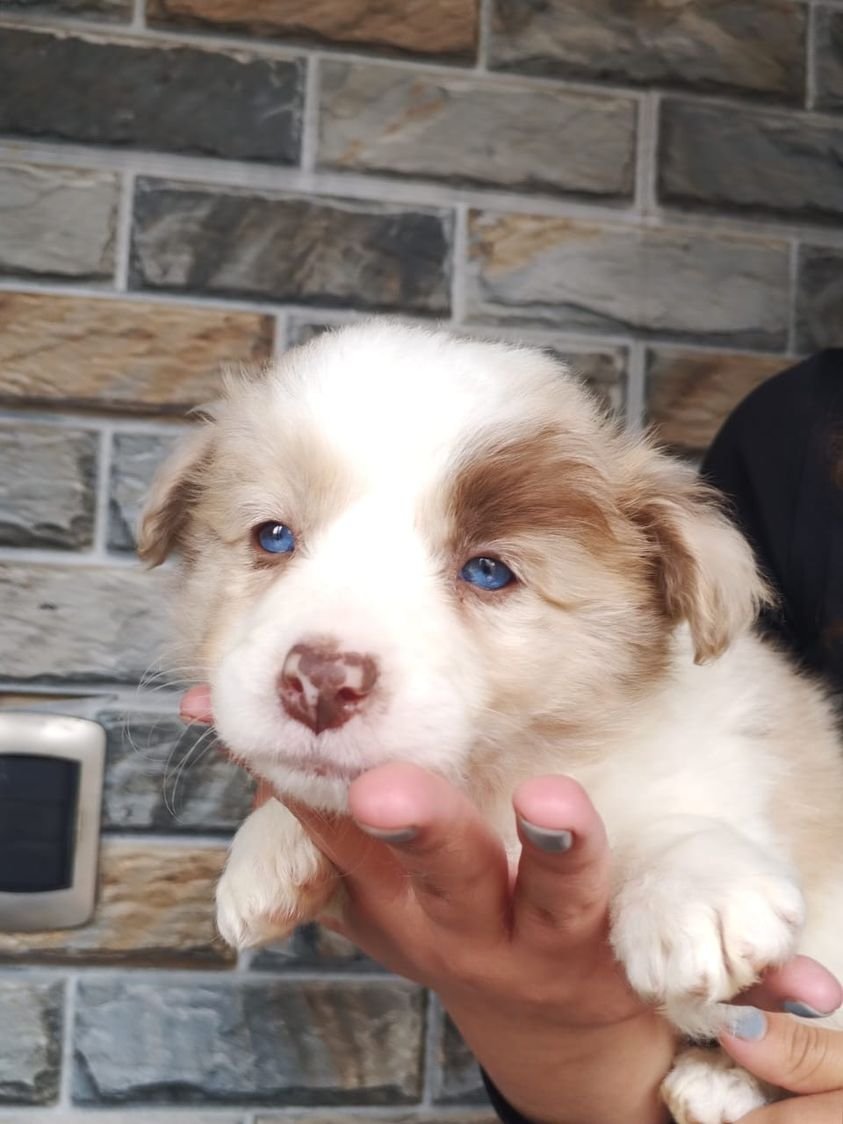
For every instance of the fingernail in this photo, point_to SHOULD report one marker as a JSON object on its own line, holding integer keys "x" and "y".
{"x": 796, "y": 1007}
{"x": 554, "y": 841}
{"x": 747, "y": 1023}
{"x": 390, "y": 835}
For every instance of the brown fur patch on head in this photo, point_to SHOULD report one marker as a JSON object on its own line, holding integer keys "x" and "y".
{"x": 539, "y": 481}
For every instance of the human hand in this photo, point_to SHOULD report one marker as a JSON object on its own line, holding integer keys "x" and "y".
{"x": 798, "y": 1056}
{"x": 522, "y": 964}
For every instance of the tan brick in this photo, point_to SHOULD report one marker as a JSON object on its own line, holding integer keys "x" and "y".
{"x": 123, "y": 354}
{"x": 156, "y": 906}
{"x": 425, "y": 27}
{"x": 690, "y": 394}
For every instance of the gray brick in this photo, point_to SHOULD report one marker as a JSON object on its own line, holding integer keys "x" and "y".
{"x": 77, "y": 623}
{"x": 163, "y": 776}
{"x": 772, "y": 162}
{"x": 49, "y": 477}
{"x": 135, "y": 457}
{"x": 729, "y": 45}
{"x": 57, "y": 222}
{"x": 179, "y": 99}
{"x": 527, "y": 269}
{"x": 252, "y": 1042}
{"x": 828, "y": 58}
{"x": 117, "y": 10}
{"x": 291, "y": 248}
{"x": 400, "y": 122}
{"x": 819, "y": 302}
{"x": 313, "y": 948}
{"x": 458, "y": 1079}
{"x": 30, "y": 1041}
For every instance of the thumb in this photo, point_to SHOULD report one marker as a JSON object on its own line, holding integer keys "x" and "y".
{"x": 795, "y": 1055}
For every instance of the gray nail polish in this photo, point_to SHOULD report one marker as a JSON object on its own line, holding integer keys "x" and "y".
{"x": 747, "y": 1023}
{"x": 547, "y": 839}
{"x": 398, "y": 835}
{"x": 795, "y": 1007}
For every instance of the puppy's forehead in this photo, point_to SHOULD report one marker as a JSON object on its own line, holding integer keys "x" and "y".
{"x": 393, "y": 404}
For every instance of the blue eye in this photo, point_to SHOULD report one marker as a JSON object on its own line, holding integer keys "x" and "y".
{"x": 487, "y": 573}
{"x": 275, "y": 538}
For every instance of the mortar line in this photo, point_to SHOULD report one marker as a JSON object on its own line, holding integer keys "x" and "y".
{"x": 811, "y": 53}
{"x": 459, "y": 265}
{"x": 646, "y": 177}
{"x": 66, "y": 1076}
{"x": 484, "y": 36}
{"x": 281, "y": 336}
{"x": 101, "y": 515}
{"x": 310, "y": 117}
{"x": 63, "y": 417}
{"x": 434, "y": 1023}
{"x": 122, "y": 249}
{"x": 635, "y": 387}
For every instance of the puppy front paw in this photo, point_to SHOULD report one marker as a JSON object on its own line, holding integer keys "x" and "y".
{"x": 274, "y": 880}
{"x": 700, "y": 926}
{"x": 706, "y": 1087}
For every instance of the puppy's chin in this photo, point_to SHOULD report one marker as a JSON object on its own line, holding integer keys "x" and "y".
{"x": 324, "y": 793}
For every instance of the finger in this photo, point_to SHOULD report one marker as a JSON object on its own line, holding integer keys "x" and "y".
{"x": 456, "y": 865}
{"x": 195, "y": 705}
{"x": 795, "y": 1055}
{"x": 824, "y": 1109}
{"x": 562, "y": 889}
{"x": 802, "y": 987}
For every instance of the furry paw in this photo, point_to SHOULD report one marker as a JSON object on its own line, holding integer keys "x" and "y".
{"x": 274, "y": 879}
{"x": 704, "y": 921}
{"x": 706, "y": 1087}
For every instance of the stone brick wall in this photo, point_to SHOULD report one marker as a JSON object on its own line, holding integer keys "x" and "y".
{"x": 652, "y": 189}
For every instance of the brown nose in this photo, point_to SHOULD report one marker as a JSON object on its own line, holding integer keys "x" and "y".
{"x": 323, "y": 687}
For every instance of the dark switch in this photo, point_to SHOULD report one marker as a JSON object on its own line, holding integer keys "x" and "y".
{"x": 38, "y": 814}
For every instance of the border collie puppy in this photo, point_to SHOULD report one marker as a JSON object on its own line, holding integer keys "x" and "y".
{"x": 396, "y": 543}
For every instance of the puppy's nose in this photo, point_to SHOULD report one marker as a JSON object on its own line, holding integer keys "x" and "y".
{"x": 323, "y": 687}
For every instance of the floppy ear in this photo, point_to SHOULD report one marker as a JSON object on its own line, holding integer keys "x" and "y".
{"x": 174, "y": 488}
{"x": 704, "y": 569}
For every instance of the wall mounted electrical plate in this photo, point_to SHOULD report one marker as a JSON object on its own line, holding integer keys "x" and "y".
{"x": 51, "y": 779}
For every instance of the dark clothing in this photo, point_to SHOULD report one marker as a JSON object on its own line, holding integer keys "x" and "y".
{"x": 779, "y": 460}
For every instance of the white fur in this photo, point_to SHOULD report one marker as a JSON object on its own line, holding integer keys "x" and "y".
{"x": 720, "y": 782}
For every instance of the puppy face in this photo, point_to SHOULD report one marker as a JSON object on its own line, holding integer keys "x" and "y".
{"x": 400, "y": 545}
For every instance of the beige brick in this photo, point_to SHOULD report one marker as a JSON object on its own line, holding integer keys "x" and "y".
{"x": 156, "y": 906}
{"x": 690, "y": 394}
{"x": 425, "y": 27}
{"x": 121, "y": 354}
